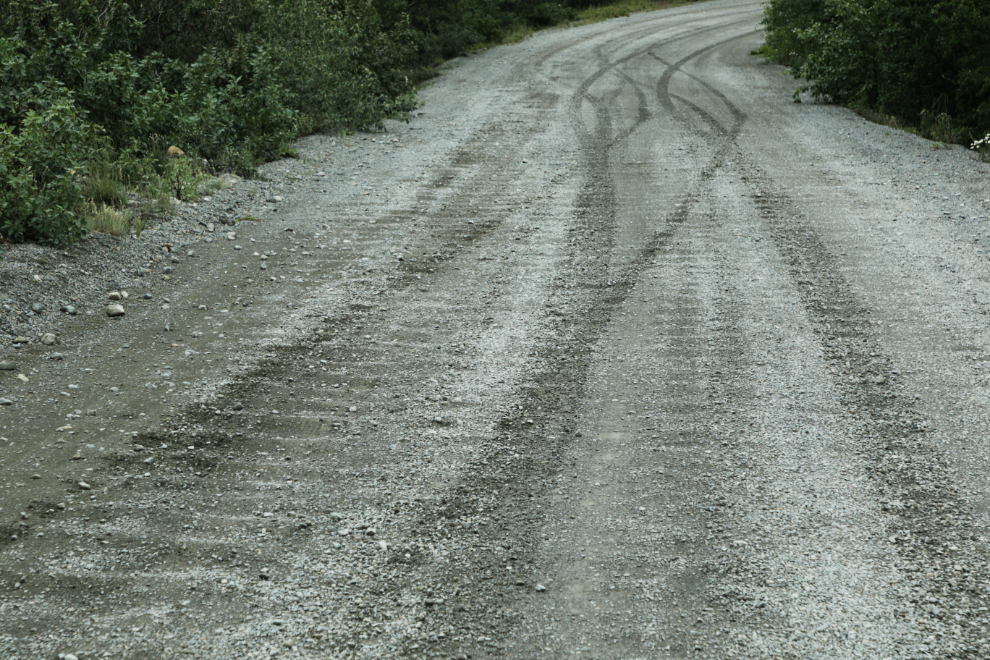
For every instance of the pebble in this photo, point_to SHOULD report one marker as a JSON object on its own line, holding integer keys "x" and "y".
{"x": 48, "y": 339}
{"x": 37, "y": 307}
{"x": 115, "y": 310}
{"x": 6, "y": 402}
{"x": 150, "y": 460}
{"x": 238, "y": 406}
{"x": 7, "y": 366}
{"x": 540, "y": 587}
{"x": 69, "y": 309}
{"x": 84, "y": 485}
{"x": 56, "y": 356}
{"x": 115, "y": 295}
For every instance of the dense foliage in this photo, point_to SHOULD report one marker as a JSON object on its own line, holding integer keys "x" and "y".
{"x": 922, "y": 61}
{"x": 227, "y": 80}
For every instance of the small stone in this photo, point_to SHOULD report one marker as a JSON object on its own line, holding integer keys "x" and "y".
{"x": 238, "y": 406}
{"x": 60, "y": 506}
{"x": 6, "y": 402}
{"x": 37, "y": 307}
{"x": 36, "y": 476}
{"x": 7, "y": 366}
{"x": 84, "y": 485}
{"x": 48, "y": 339}
{"x": 147, "y": 296}
{"x": 167, "y": 270}
{"x": 69, "y": 309}
{"x": 115, "y": 295}
{"x": 383, "y": 545}
{"x": 540, "y": 587}
{"x": 150, "y": 460}
{"x": 21, "y": 340}
{"x": 22, "y": 378}
{"x": 115, "y": 310}
{"x": 336, "y": 517}
{"x": 36, "y": 278}
{"x": 343, "y": 531}
{"x": 56, "y": 356}
{"x": 370, "y": 531}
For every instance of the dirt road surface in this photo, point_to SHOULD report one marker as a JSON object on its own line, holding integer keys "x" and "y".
{"x": 614, "y": 351}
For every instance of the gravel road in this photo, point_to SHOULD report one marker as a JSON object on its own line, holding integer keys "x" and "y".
{"x": 613, "y": 351}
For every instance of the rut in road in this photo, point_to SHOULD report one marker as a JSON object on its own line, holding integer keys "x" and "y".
{"x": 623, "y": 396}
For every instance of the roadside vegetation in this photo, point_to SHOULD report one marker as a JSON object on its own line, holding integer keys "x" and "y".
{"x": 94, "y": 94}
{"x": 919, "y": 65}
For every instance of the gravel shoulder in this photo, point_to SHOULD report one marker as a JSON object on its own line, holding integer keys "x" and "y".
{"x": 613, "y": 351}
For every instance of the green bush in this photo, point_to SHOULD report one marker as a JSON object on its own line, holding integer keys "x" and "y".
{"x": 41, "y": 164}
{"x": 231, "y": 81}
{"x": 920, "y": 60}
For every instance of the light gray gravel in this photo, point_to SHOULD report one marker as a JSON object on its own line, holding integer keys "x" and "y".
{"x": 612, "y": 352}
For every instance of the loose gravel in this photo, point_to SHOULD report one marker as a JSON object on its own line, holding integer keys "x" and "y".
{"x": 613, "y": 351}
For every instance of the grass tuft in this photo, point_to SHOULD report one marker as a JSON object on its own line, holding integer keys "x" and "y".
{"x": 106, "y": 219}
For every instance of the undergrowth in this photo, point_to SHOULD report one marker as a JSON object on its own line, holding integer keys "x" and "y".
{"x": 920, "y": 65}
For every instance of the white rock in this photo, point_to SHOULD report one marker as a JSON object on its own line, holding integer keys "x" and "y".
{"x": 115, "y": 310}
{"x": 84, "y": 485}
{"x": 48, "y": 339}
{"x": 115, "y": 295}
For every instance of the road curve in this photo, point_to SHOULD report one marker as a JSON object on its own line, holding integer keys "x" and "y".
{"x": 614, "y": 351}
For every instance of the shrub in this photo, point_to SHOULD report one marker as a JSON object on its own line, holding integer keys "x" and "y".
{"x": 41, "y": 164}
{"x": 231, "y": 81}
{"x": 925, "y": 61}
